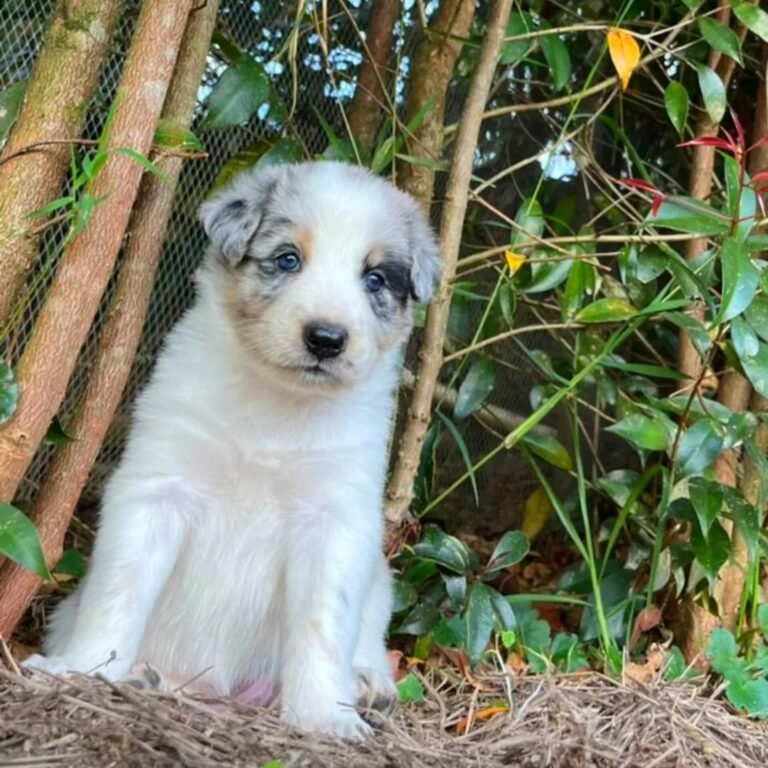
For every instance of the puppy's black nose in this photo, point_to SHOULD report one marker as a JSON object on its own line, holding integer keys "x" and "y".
{"x": 325, "y": 340}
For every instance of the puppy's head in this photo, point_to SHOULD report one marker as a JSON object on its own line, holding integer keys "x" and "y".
{"x": 320, "y": 264}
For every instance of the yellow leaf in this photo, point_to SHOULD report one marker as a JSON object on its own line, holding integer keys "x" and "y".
{"x": 538, "y": 508}
{"x": 484, "y": 714}
{"x": 514, "y": 260}
{"x": 625, "y": 54}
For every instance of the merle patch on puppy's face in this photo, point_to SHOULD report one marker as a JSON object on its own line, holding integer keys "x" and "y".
{"x": 319, "y": 245}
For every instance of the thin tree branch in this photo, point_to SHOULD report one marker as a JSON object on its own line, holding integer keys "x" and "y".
{"x": 400, "y": 491}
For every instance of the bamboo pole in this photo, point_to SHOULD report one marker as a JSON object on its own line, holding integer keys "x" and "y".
{"x": 364, "y": 114}
{"x": 432, "y": 69}
{"x": 119, "y": 338}
{"x": 55, "y": 105}
{"x": 86, "y": 266}
{"x": 400, "y": 490}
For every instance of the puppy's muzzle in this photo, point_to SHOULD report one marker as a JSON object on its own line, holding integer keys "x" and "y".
{"x": 325, "y": 341}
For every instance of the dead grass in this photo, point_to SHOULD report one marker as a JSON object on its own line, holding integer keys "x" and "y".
{"x": 567, "y": 722}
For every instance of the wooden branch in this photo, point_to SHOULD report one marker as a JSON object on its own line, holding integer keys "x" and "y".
{"x": 702, "y": 170}
{"x": 432, "y": 69}
{"x": 86, "y": 266}
{"x": 736, "y": 393}
{"x": 119, "y": 338}
{"x": 364, "y": 114}
{"x": 400, "y": 491}
{"x": 55, "y": 106}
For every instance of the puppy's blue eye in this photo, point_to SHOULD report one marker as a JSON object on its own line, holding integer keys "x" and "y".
{"x": 288, "y": 262}
{"x": 374, "y": 282}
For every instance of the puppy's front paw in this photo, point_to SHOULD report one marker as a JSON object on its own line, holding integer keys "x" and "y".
{"x": 376, "y": 691}
{"x": 342, "y": 722}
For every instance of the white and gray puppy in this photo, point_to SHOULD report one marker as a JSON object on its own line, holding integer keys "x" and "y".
{"x": 241, "y": 533}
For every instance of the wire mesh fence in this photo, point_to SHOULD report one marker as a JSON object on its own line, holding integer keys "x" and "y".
{"x": 318, "y": 84}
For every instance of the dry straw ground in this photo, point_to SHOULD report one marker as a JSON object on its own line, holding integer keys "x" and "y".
{"x": 565, "y": 722}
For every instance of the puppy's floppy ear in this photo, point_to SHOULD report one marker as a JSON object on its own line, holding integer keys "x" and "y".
{"x": 231, "y": 218}
{"x": 425, "y": 254}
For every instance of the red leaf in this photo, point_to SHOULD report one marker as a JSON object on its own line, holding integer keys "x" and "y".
{"x": 708, "y": 141}
{"x": 760, "y": 176}
{"x": 639, "y": 184}
{"x": 656, "y": 204}
{"x": 739, "y": 129}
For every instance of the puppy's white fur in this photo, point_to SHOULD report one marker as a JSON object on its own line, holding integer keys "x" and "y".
{"x": 241, "y": 534}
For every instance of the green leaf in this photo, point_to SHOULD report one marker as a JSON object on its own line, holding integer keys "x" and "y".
{"x": 677, "y": 103}
{"x": 740, "y": 427}
{"x": 698, "y": 449}
{"x": 507, "y": 303}
{"x": 732, "y": 173}
{"x": 420, "y": 620}
{"x": 558, "y": 59}
{"x": 519, "y": 24}
{"x": 749, "y": 695}
{"x": 757, "y": 316}
{"x": 696, "y": 332}
{"x": 11, "y": 99}
{"x": 740, "y": 280}
{"x": 547, "y": 275}
{"x": 144, "y": 162}
{"x": 744, "y": 339}
{"x": 649, "y": 433}
{"x": 752, "y": 17}
{"x": 508, "y": 638}
{"x": 511, "y": 549}
{"x": 713, "y": 92}
{"x": 171, "y": 135}
{"x": 606, "y": 311}
{"x": 566, "y": 652}
{"x": 410, "y": 689}
{"x": 721, "y": 38}
{"x": 707, "y": 499}
{"x": 685, "y": 214}
{"x": 404, "y": 595}
{"x": 675, "y": 666}
{"x": 762, "y": 619}
{"x": 747, "y": 518}
{"x": 286, "y": 150}
{"x": 20, "y": 542}
{"x": 478, "y": 619}
{"x": 237, "y": 95}
{"x": 549, "y": 448}
{"x": 52, "y": 207}
{"x": 72, "y": 563}
{"x": 441, "y": 548}
{"x": 9, "y": 392}
{"x": 505, "y": 619}
{"x": 575, "y": 289}
{"x": 456, "y": 589}
{"x": 711, "y": 550}
{"x": 56, "y": 434}
{"x": 722, "y": 651}
{"x": 752, "y": 354}
{"x": 530, "y": 221}
{"x": 533, "y": 632}
{"x": 475, "y": 388}
{"x": 461, "y": 444}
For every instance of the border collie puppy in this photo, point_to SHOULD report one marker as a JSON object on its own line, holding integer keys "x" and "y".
{"x": 241, "y": 534}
